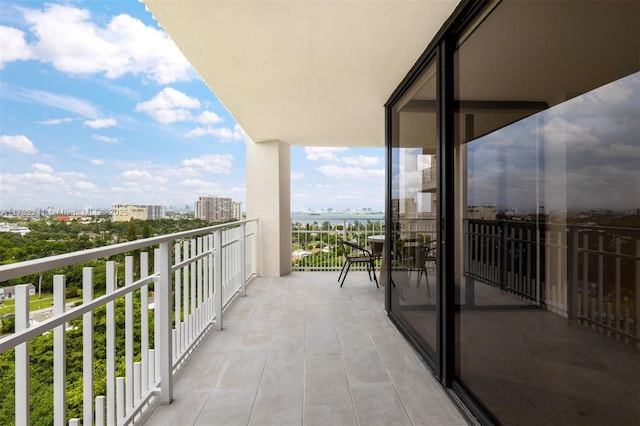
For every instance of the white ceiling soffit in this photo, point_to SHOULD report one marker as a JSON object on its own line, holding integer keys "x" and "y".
{"x": 304, "y": 72}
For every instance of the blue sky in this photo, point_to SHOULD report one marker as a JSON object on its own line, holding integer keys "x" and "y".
{"x": 98, "y": 106}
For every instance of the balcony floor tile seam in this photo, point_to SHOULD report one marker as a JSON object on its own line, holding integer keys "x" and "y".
{"x": 204, "y": 405}
{"x": 261, "y": 301}
{"x": 391, "y": 379}
{"x": 384, "y": 364}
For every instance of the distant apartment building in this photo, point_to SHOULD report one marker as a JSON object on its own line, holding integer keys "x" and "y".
{"x": 217, "y": 209}
{"x": 126, "y": 212}
{"x": 487, "y": 212}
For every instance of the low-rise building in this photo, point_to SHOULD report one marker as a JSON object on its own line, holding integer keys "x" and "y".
{"x": 126, "y": 212}
{"x": 9, "y": 292}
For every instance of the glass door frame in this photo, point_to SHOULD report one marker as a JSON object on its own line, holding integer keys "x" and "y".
{"x": 390, "y": 117}
{"x": 441, "y": 50}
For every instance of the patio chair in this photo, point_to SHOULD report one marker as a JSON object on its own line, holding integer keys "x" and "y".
{"x": 354, "y": 253}
{"x": 425, "y": 254}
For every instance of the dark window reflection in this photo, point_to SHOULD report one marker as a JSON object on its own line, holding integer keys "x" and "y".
{"x": 548, "y": 168}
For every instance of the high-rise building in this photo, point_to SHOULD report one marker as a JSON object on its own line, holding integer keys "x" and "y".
{"x": 217, "y": 209}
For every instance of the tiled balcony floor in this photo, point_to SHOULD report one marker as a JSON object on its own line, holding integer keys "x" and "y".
{"x": 299, "y": 350}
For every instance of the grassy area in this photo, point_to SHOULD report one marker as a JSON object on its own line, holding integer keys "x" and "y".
{"x": 35, "y": 303}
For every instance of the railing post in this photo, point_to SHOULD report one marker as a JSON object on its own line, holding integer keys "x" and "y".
{"x": 87, "y": 347}
{"x": 257, "y": 254}
{"x": 185, "y": 297}
{"x": 636, "y": 322}
{"x": 572, "y": 269}
{"x": 156, "y": 320}
{"x": 618, "y": 278}
{"x": 200, "y": 309}
{"x": 111, "y": 344}
{"x": 344, "y": 229}
{"x": 193, "y": 315}
{"x": 163, "y": 304}
{"x": 217, "y": 276}
{"x": 144, "y": 322}
{"x": 210, "y": 292}
{"x": 600, "y": 280}
{"x": 243, "y": 259}
{"x": 504, "y": 241}
{"x": 469, "y": 286}
{"x": 99, "y": 410}
{"x": 59, "y": 358}
{"x": 22, "y": 375}
{"x": 128, "y": 333}
{"x": 585, "y": 280}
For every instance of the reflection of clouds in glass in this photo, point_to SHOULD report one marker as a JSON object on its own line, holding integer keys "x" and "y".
{"x": 591, "y": 150}
{"x": 561, "y": 131}
{"x": 503, "y": 169}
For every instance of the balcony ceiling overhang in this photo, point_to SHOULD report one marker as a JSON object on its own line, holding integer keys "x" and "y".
{"x": 310, "y": 73}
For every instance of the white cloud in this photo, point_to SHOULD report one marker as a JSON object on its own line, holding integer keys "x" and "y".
{"x": 350, "y": 172}
{"x": 105, "y": 139}
{"x": 63, "y": 102}
{"x": 561, "y": 131}
{"x": 67, "y": 38}
{"x": 55, "y": 121}
{"x": 97, "y": 162}
{"x": 360, "y": 160}
{"x": 101, "y": 123}
{"x": 39, "y": 178}
{"x": 238, "y": 132}
{"x": 19, "y": 143}
{"x": 202, "y": 131}
{"x": 169, "y": 105}
{"x": 195, "y": 183}
{"x": 83, "y": 185}
{"x": 322, "y": 153}
{"x": 13, "y": 46}
{"x": 208, "y": 117}
{"x": 223, "y": 133}
{"x": 135, "y": 175}
{"x": 297, "y": 175}
{"x": 42, "y": 168}
{"x": 215, "y": 163}
{"x": 42, "y": 180}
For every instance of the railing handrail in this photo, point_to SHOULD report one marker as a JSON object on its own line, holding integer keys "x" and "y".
{"x": 19, "y": 337}
{"x": 27, "y": 267}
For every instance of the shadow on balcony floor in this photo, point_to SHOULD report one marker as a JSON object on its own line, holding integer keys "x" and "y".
{"x": 300, "y": 350}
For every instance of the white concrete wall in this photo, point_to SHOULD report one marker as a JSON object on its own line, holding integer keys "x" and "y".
{"x": 269, "y": 199}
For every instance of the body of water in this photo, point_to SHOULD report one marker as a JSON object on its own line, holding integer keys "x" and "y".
{"x": 336, "y": 218}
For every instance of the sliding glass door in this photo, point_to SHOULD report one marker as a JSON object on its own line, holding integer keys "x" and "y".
{"x": 414, "y": 234}
{"x": 547, "y": 99}
{"x": 513, "y": 229}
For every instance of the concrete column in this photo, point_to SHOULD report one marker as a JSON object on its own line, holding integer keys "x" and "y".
{"x": 269, "y": 198}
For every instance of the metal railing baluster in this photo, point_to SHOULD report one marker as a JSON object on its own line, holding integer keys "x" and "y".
{"x": 87, "y": 346}
{"x": 128, "y": 334}
{"x": 22, "y": 375}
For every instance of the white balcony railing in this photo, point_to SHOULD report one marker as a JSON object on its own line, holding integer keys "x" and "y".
{"x": 196, "y": 274}
{"x": 314, "y": 247}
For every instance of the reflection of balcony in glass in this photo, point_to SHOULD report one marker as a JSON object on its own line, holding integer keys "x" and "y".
{"x": 430, "y": 179}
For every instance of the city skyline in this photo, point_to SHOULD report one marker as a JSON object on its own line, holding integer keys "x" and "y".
{"x": 100, "y": 107}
